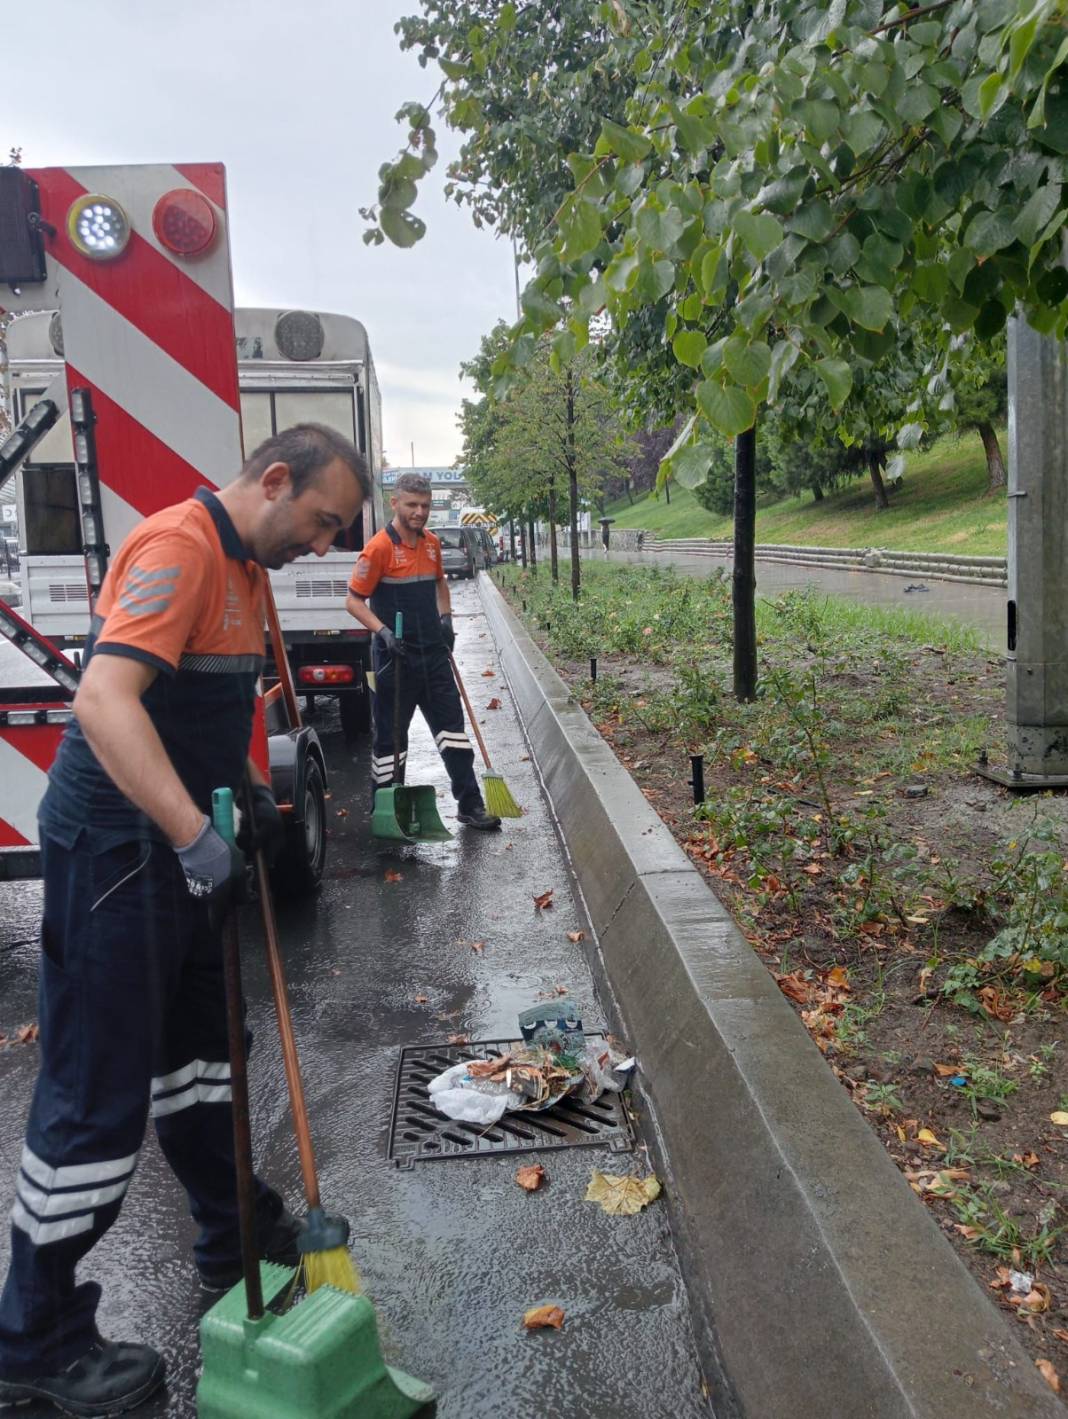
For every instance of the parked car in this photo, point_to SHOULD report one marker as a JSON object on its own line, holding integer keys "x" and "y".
{"x": 461, "y": 551}
{"x": 489, "y": 547}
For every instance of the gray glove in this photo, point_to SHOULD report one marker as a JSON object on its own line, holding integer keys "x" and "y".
{"x": 391, "y": 646}
{"x": 214, "y": 870}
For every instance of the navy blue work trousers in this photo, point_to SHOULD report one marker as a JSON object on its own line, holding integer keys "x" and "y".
{"x": 426, "y": 684}
{"x": 132, "y": 1022}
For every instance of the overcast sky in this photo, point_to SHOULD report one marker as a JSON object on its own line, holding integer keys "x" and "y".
{"x": 297, "y": 98}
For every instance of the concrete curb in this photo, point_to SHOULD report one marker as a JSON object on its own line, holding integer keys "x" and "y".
{"x": 832, "y": 1291}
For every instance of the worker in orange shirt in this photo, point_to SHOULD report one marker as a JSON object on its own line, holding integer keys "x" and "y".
{"x": 400, "y": 570}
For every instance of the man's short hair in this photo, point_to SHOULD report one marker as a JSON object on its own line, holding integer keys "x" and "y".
{"x": 412, "y": 483}
{"x": 307, "y": 449}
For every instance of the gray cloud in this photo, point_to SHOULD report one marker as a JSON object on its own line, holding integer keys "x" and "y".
{"x": 298, "y": 101}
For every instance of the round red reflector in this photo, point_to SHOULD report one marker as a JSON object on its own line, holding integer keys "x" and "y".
{"x": 184, "y": 222}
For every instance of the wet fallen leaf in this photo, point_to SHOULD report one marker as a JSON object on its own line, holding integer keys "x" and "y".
{"x": 1060, "y": 1118}
{"x": 552, "y": 994}
{"x": 576, "y": 936}
{"x": 543, "y": 1317}
{"x": 796, "y": 987}
{"x": 947, "y": 1071}
{"x": 392, "y": 875}
{"x": 838, "y": 976}
{"x": 342, "y": 812}
{"x": 489, "y": 674}
{"x": 459, "y": 1040}
{"x": 531, "y": 1178}
{"x": 27, "y": 1034}
{"x": 420, "y": 1000}
{"x": 926, "y": 1136}
{"x": 813, "y": 869}
{"x": 1037, "y": 1300}
{"x": 545, "y": 900}
{"x": 622, "y": 1195}
{"x": 1050, "y": 1375}
{"x": 1062, "y": 1335}
{"x": 1027, "y": 1160}
{"x": 970, "y": 1234}
{"x": 494, "y": 703}
{"x": 478, "y": 947}
{"x": 996, "y": 1004}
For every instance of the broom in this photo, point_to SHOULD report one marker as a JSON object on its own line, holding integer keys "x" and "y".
{"x": 323, "y": 1240}
{"x": 499, "y": 800}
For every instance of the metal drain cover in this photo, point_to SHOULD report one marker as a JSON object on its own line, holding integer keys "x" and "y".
{"x": 418, "y": 1133}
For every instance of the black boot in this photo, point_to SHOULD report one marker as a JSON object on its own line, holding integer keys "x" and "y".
{"x": 108, "y": 1379}
{"x": 277, "y": 1241}
{"x": 477, "y": 817}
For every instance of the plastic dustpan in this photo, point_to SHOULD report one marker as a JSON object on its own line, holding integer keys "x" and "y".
{"x": 408, "y": 815}
{"x": 321, "y": 1359}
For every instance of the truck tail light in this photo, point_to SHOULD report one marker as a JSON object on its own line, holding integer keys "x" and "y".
{"x": 326, "y": 675}
{"x": 184, "y": 222}
{"x": 98, "y": 227}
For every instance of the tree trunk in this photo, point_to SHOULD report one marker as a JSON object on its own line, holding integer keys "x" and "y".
{"x": 572, "y": 486}
{"x": 533, "y": 546}
{"x": 667, "y": 492}
{"x": 511, "y": 539}
{"x": 630, "y": 495}
{"x": 817, "y": 492}
{"x": 554, "y": 556}
{"x": 881, "y": 500}
{"x": 743, "y": 579}
{"x": 523, "y": 543}
{"x": 995, "y": 467}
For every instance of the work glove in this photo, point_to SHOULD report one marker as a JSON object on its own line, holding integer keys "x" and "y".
{"x": 448, "y": 634}
{"x": 214, "y": 870}
{"x": 389, "y": 643}
{"x": 267, "y": 830}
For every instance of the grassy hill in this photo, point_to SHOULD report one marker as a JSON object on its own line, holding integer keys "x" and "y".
{"x": 941, "y": 507}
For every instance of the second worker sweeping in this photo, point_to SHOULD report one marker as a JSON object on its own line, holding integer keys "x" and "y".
{"x": 400, "y": 570}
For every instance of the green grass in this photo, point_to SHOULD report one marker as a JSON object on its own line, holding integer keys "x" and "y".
{"x": 942, "y": 507}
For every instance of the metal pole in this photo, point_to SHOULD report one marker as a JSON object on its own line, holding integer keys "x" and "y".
{"x": 1037, "y": 606}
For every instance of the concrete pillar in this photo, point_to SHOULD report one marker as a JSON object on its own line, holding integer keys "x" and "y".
{"x": 1037, "y": 620}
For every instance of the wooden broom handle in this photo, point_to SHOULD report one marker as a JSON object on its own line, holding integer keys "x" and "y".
{"x": 470, "y": 712}
{"x": 289, "y": 1045}
{"x": 290, "y": 1058}
{"x": 281, "y": 660}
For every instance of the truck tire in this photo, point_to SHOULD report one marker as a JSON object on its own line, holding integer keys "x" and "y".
{"x": 299, "y": 869}
{"x": 355, "y": 713}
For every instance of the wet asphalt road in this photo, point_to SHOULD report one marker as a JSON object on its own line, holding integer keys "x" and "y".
{"x": 452, "y": 1252}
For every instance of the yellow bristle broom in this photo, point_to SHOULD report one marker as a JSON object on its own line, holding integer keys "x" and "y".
{"x": 323, "y": 1240}
{"x": 499, "y": 800}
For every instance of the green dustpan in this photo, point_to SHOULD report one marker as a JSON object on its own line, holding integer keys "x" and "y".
{"x": 404, "y": 814}
{"x": 408, "y": 815}
{"x": 321, "y": 1359}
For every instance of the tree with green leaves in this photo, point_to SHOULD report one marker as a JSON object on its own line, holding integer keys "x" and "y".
{"x": 554, "y": 433}
{"x": 777, "y": 192}
{"x": 981, "y": 400}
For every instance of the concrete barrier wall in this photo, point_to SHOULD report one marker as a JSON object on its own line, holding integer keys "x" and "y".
{"x": 944, "y": 566}
{"x": 831, "y": 1291}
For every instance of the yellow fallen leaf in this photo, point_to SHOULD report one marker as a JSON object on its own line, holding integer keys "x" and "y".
{"x": 1050, "y": 1375}
{"x": 926, "y": 1136}
{"x": 542, "y": 1316}
{"x": 622, "y": 1196}
{"x": 1060, "y": 1118}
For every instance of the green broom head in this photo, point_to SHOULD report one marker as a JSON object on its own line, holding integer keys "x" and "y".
{"x": 325, "y": 1260}
{"x": 499, "y": 800}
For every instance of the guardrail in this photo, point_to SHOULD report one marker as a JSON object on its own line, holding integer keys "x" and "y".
{"x": 989, "y": 571}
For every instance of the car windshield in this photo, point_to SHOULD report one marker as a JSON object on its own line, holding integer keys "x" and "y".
{"x": 450, "y": 537}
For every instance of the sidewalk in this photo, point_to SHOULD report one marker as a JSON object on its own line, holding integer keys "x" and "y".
{"x": 452, "y": 1252}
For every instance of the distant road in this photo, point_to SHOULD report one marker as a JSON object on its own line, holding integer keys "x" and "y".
{"x": 980, "y": 606}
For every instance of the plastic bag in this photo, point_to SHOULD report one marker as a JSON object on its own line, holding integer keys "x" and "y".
{"x": 471, "y": 1100}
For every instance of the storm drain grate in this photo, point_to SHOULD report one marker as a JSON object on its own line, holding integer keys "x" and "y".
{"x": 418, "y": 1133}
